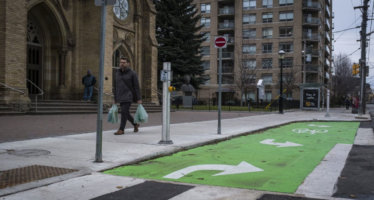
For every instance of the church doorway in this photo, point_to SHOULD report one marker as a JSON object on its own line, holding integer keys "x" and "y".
{"x": 45, "y": 52}
{"x": 34, "y": 58}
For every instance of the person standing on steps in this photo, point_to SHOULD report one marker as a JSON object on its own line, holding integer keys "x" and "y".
{"x": 88, "y": 81}
{"x": 126, "y": 90}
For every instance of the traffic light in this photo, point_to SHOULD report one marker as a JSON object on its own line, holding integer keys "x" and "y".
{"x": 171, "y": 88}
{"x": 355, "y": 69}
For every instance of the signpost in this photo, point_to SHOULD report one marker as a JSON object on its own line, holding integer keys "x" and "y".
{"x": 220, "y": 42}
{"x": 99, "y": 125}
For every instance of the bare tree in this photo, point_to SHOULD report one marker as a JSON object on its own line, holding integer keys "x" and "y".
{"x": 289, "y": 82}
{"x": 246, "y": 80}
{"x": 343, "y": 82}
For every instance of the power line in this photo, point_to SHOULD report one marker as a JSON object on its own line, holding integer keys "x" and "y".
{"x": 346, "y": 29}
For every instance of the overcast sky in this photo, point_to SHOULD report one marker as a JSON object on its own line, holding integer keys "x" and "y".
{"x": 346, "y": 42}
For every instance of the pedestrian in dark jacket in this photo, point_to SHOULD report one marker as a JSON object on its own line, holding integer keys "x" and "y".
{"x": 347, "y": 103}
{"x": 88, "y": 81}
{"x": 126, "y": 90}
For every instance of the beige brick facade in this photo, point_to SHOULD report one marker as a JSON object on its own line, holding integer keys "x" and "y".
{"x": 310, "y": 32}
{"x": 55, "y": 42}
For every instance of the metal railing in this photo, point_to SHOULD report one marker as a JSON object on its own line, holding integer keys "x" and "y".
{"x": 311, "y": 20}
{"x": 41, "y": 93}
{"x": 226, "y": 25}
{"x": 227, "y": 11}
{"x": 12, "y": 88}
{"x": 15, "y": 90}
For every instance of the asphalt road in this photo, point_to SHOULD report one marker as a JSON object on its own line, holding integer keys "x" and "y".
{"x": 23, "y": 127}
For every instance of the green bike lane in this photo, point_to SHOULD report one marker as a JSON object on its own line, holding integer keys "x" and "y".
{"x": 278, "y": 159}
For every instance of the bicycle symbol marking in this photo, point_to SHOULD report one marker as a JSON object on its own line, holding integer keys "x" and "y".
{"x": 307, "y": 130}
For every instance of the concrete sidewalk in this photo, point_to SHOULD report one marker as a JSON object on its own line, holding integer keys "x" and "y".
{"x": 78, "y": 152}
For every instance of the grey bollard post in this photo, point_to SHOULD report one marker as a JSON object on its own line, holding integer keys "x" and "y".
{"x": 166, "y": 78}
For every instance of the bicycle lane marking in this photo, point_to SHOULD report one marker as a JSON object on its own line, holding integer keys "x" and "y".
{"x": 284, "y": 169}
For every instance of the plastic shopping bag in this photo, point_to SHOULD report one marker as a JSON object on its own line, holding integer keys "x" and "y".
{"x": 141, "y": 115}
{"x": 113, "y": 114}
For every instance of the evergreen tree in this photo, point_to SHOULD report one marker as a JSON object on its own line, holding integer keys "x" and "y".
{"x": 179, "y": 40}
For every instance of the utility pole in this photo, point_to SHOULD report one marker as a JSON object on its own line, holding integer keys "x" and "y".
{"x": 362, "y": 103}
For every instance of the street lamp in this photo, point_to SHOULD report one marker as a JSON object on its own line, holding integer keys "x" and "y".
{"x": 281, "y": 57}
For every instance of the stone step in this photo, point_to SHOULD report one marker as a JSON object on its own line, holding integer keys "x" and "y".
{"x": 53, "y": 112}
{"x": 2, "y": 113}
{"x": 70, "y": 107}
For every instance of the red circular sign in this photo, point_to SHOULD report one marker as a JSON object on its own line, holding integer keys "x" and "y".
{"x": 220, "y": 42}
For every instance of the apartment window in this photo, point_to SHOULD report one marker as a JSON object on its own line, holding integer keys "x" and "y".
{"x": 205, "y": 8}
{"x": 287, "y": 62}
{"x": 249, "y": 19}
{"x": 249, "y": 4}
{"x": 249, "y": 64}
{"x": 267, "y": 32}
{"x": 249, "y": 49}
{"x": 249, "y": 33}
{"x": 206, "y": 36}
{"x": 205, "y": 21}
{"x": 285, "y": 2}
{"x": 267, "y": 79}
{"x": 206, "y": 65}
{"x": 267, "y": 17}
{"x": 286, "y": 16}
{"x": 267, "y": 48}
{"x": 287, "y": 47}
{"x": 267, "y": 63}
{"x": 267, "y": 3}
{"x": 285, "y": 31}
{"x": 227, "y": 79}
{"x": 205, "y": 51}
{"x": 207, "y": 82}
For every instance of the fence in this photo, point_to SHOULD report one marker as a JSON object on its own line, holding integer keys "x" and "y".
{"x": 234, "y": 105}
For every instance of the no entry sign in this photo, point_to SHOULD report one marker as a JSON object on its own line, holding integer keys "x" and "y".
{"x": 220, "y": 42}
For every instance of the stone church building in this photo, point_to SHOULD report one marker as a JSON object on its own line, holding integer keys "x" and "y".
{"x": 50, "y": 44}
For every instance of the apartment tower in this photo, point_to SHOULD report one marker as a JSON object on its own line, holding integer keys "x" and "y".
{"x": 256, "y": 31}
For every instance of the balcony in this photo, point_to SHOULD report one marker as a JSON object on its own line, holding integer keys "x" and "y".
{"x": 230, "y": 40}
{"x": 327, "y": 24}
{"x": 227, "y": 55}
{"x": 328, "y": 39}
{"x": 328, "y": 52}
{"x": 311, "y": 68}
{"x": 226, "y": 11}
{"x": 311, "y": 36}
{"x": 226, "y": 25}
{"x": 310, "y": 5}
{"x": 311, "y": 21}
{"x": 328, "y": 11}
{"x": 314, "y": 53}
{"x": 227, "y": 69}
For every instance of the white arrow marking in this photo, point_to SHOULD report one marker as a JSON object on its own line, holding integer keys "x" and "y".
{"x": 286, "y": 144}
{"x": 320, "y": 126}
{"x": 243, "y": 167}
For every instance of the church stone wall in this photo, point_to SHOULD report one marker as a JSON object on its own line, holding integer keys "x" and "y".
{"x": 13, "y": 53}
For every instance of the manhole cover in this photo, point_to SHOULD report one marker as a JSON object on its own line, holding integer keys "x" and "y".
{"x": 28, "y": 174}
{"x": 28, "y": 152}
